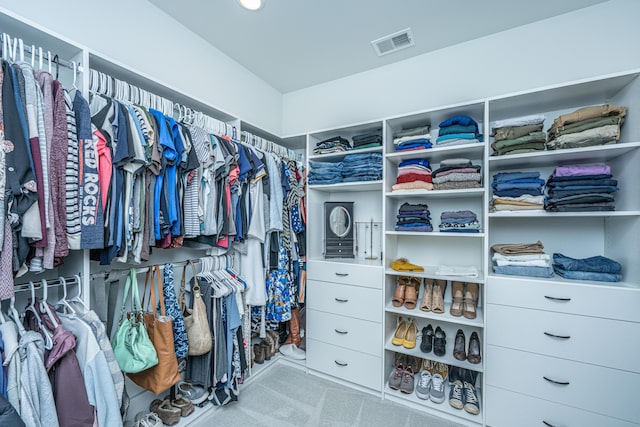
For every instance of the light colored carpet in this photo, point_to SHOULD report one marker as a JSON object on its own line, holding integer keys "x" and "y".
{"x": 285, "y": 396}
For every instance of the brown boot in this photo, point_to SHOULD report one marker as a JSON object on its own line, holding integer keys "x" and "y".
{"x": 294, "y": 328}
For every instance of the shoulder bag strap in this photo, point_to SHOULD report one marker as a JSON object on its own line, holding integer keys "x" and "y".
{"x": 158, "y": 283}
{"x": 125, "y": 296}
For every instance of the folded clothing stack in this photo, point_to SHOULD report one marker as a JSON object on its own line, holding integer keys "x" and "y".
{"x": 581, "y": 188}
{"x": 596, "y": 268}
{"x": 413, "y": 174}
{"x": 413, "y": 217}
{"x": 458, "y": 130}
{"x": 588, "y": 126}
{"x": 517, "y": 191}
{"x": 336, "y": 144}
{"x": 455, "y": 174}
{"x": 524, "y": 259}
{"x": 520, "y": 135}
{"x": 362, "y": 167}
{"x": 324, "y": 173}
{"x": 459, "y": 222}
{"x": 367, "y": 140}
{"x": 412, "y": 139}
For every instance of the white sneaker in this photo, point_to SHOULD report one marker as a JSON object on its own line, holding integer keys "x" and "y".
{"x": 437, "y": 388}
{"x": 292, "y": 352}
{"x": 424, "y": 385}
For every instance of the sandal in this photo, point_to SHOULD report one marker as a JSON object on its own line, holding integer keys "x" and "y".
{"x": 438, "y": 296}
{"x": 399, "y": 295}
{"x": 411, "y": 293}
{"x": 427, "y": 298}
{"x": 470, "y": 301}
{"x": 401, "y": 331}
{"x": 457, "y": 293}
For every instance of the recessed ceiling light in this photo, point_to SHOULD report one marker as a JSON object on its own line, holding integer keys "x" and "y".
{"x": 251, "y": 4}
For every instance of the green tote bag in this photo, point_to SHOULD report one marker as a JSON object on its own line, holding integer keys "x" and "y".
{"x": 132, "y": 347}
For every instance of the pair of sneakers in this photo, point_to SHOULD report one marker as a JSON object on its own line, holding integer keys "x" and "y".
{"x": 463, "y": 395}
{"x": 430, "y": 387}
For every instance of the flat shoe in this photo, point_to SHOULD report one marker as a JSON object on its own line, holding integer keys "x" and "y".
{"x": 459, "y": 346}
{"x": 439, "y": 342}
{"x": 427, "y": 339}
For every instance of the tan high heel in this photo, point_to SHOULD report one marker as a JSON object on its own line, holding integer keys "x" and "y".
{"x": 470, "y": 302}
{"x": 399, "y": 295}
{"x": 457, "y": 294}
{"x": 427, "y": 298}
{"x": 438, "y": 296}
{"x": 411, "y": 293}
{"x": 401, "y": 331}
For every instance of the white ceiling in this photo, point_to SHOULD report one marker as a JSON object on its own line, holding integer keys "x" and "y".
{"x": 293, "y": 44}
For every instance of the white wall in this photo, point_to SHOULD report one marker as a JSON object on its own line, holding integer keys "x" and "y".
{"x": 136, "y": 33}
{"x": 598, "y": 40}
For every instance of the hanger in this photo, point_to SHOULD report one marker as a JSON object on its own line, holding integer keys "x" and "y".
{"x": 49, "y": 58}
{"x": 56, "y": 60}
{"x": 78, "y": 298}
{"x": 41, "y": 58}
{"x": 33, "y": 56}
{"x": 13, "y": 314}
{"x": 75, "y": 78}
{"x": 21, "y": 47}
{"x": 48, "y": 340}
{"x": 44, "y": 307}
{"x": 63, "y": 302}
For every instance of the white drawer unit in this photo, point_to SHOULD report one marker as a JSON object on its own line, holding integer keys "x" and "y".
{"x": 345, "y": 300}
{"x": 507, "y": 409}
{"x": 349, "y": 365}
{"x": 355, "y": 334}
{"x": 587, "y": 339}
{"x": 609, "y": 302}
{"x": 367, "y": 276}
{"x": 602, "y": 390}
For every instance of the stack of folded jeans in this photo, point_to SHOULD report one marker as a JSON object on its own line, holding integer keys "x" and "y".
{"x": 324, "y": 173}
{"x": 367, "y": 140}
{"x": 517, "y": 191}
{"x": 362, "y": 167}
{"x": 413, "y": 174}
{"x": 580, "y": 188}
{"x": 414, "y": 217}
{"x": 456, "y": 174}
{"x": 459, "y": 222}
{"x": 596, "y": 268}
{"x": 588, "y": 126}
{"x": 525, "y": 259}
{"x": 412, "y": 139}
{"x": 458, "y": 130}
{"x": 336, "y": 144}
{"x": 520, "y": 135}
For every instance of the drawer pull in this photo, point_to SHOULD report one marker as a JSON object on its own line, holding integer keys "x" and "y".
{"x": 343, "y": 364}
{"x": 556, "y": 382}
{"x": 557, "y": 299}
{"x": 562, "y": 337}
{"x": 338, "y": 331}
{"x": 548, "y": 423}
{"x": 342, "y": 274}
{"x": 341, "y": 300}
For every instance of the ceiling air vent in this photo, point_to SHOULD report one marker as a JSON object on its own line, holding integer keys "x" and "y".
{"x": 393, "y": 42}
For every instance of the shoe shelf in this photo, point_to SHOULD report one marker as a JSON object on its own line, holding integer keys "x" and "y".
{"x": 340, "y": 155}
{"x": 442, "y": 407}
{"x": 595, "y": 154}
{"x": 443, "y": 317}
{"x": 430, "y": 273}
{"x": 434, "y": 234}
{"x": 348, "y": 186}
{"x": 436, "y": 194}
{"x": 437, "y": 154}
{"x": 447, "y": 358}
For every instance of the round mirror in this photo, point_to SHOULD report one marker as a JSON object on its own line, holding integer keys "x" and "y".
{"x": 340, "y": 221}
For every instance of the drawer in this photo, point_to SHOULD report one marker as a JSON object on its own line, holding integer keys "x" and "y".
{"x": 602, "y": 390}
{"x": 345, "y": 300}
{"x": 505, "y": 408}
{"x": 356, "y": 334}
{"x": 348, "y": 365}
{"x": 369, "y": 276}
{"x": 600, "y": 341}
{"x": 608, "y": 301}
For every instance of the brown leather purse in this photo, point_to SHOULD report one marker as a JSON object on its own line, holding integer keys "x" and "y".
{"x": 160, "y": 329}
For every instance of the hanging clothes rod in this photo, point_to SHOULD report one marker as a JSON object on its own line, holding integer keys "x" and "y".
{"x": 34, "y": 51}
{"x": 268, "y": 146}
{"x": 75, "y": 280}
{"x": 104, "y": 274}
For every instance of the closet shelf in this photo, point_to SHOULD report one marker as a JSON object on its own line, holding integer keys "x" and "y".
{"x": 436, "y": 194}
{"x": 478, "y": 322}
{"x": 473, "y": 151}
{"x": 595, "y": 154}
{"x": 348, "y": 186}
{"x": 545, "y": 214}
{"x": 447, "y": 358}
{"x": 340, "y": 156}
{"x": 356, "y": 261}
{"x": 430, "y": 273}
{"x": 557, "y": 280}
{"x": 445, "y": 407}
{"x": 434, "y": 234}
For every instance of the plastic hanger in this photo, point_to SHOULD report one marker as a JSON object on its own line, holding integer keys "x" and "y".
{"x": 33, "y": 56}
{"x": 49, "y": 58}
{"x": 21, "y": 47}
{"x": 56, "y": 61}
{"x": 78, "y": 297}
{"x": 44, "y": 307}
{"x": 41, "y": 58}
{"x": 63, "y": 302}
{"x": 13, "y": 314}
{"x": 48, "y": 340}
{"x": 75, "y": 80}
